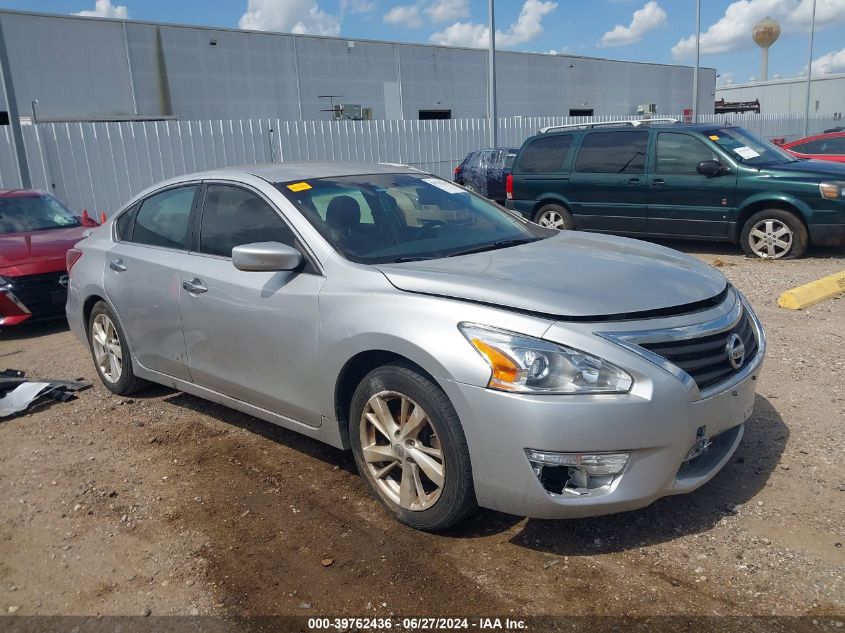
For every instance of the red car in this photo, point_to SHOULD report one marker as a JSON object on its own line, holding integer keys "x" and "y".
{"x": 36, "y": 230}
{"x": 822, "y": 147}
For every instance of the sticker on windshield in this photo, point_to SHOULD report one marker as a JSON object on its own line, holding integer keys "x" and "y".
{"x": 746, "y": 152}
{"x": 713, "y": 137}
{"x": 448, "y": 187}
{"x": 299, "y": 186}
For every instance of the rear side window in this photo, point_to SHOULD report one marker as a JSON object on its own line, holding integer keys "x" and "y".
{"x": 232, "y": 216}
{"x": 612, "y": 153}
{"x": 680, "y": 153}
{"x": 835, "y": 145}
{"x": 163, "y": 218}
{"x": 545, "y": 155}
{"x": 121, "y": 225}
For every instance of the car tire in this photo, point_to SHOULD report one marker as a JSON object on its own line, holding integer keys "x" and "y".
{"x": 554, "y": 216}
{"x": 421, "y": 474}
{"x": 774, "y": 234}
{"x": 110, "y": 352}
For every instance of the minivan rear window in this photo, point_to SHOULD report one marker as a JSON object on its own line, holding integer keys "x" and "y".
{"x": 545, "y": 155}
{"x": 612, "y": 153}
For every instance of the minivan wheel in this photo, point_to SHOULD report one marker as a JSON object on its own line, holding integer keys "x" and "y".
{"x": 410, "y": 448}
{"x": 554, "y": 216}
{"x": 774, "y": 234}
{"x": 111, "y": 353}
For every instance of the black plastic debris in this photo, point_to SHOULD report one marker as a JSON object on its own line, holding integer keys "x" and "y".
{"x": 19, "y": 394}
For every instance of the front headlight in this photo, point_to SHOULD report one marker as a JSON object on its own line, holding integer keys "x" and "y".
{"x": 832, "y": 190}
{"x": 529, "y": 365}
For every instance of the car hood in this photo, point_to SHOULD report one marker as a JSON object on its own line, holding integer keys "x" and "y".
{"x": 37, "y": 251}
{"x": 820, "y": 168}
{"x": 570, "y": 275}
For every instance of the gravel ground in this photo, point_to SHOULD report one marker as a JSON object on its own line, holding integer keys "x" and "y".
{"x": 167, "y": 504}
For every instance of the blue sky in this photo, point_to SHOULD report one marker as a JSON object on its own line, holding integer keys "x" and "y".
{"x": 639, "y": 30}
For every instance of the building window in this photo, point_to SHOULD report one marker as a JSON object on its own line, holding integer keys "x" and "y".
{"x": 581, "y": 112}
{"x": 428, "y": 115}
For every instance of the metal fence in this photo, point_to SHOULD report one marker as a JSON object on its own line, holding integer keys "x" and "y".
{"x": 99, "y": 166}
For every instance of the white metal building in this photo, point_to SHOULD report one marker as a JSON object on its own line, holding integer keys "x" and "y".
{"x": 100, "y": 69}
{"x": 789, "y": 96}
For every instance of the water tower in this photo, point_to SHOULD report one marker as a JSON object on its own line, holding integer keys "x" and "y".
{"x": 765, "y": 33}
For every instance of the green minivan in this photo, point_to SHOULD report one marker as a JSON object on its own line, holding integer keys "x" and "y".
{"x": 676, "y": 180}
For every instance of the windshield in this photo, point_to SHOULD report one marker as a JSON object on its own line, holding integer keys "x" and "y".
{"x": 34, "y": 213}
{"x": 380, "y": 218}
{"x": 749, "y": 148}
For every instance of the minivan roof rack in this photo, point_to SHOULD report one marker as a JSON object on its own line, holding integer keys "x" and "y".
{"x": 632, "y": 123}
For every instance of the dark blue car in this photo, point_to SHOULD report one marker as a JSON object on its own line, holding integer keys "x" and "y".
{"x": 485, "y": 171}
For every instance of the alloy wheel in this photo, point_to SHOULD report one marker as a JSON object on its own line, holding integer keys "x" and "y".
{"x": 401, "y": 450}
{"x": 552, "y": 220}
{"x": 108, "y": 353}
{"x": 770, "y": 239}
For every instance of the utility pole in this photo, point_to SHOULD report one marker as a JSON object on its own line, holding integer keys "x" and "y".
{"x": 491, "y": 80}
{"x": 810, "y": 72}
{"x": 697, "y": 61}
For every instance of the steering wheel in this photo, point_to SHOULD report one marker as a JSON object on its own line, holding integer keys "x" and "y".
{"x": 429, "y": 227}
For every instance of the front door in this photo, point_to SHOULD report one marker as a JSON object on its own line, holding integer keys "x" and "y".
{"x": 607, "y": 186}
{"x": 680, "y": 200}
{"x": 146, "y": 264}
{"x": 249, "y": 335}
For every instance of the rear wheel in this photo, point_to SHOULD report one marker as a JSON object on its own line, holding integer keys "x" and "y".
{"x": 410, "y": 448}
{"x": 554, "y": 216}
{"x": 111, "y": 352}
{"x": 774, "y": 234}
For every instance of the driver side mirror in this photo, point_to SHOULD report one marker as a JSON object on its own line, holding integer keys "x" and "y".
{"x": 266, "y": 257}
{"x": 711, "y": 168}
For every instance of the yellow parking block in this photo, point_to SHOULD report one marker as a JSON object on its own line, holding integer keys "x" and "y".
{"x": 813, "y": 292}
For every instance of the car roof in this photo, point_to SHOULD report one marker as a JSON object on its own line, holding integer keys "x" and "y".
{"x": 672, "y": 127}
{"x": 20, "y": 193}
{"x": 281, "y": 172}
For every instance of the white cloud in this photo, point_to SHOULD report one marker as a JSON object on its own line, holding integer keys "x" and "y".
{"x": 358, "y": 6}
{"x": 650, "y": 17}
{"x": 446, "y": 10}
{"x": 296, "y": 16}
{"x": 105, "y": 9}
{"x": 831, "y": 63}
{"x": 405, "y": 15}
{"x": 726, "y": 79}
{"x": 472, "y": 34}
{"x": 733, "y": 30}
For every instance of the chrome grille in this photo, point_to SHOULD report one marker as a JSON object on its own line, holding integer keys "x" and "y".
{"x": 705, "y": 358}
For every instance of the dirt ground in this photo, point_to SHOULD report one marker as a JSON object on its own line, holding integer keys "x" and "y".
{"x": 167, "y": 504}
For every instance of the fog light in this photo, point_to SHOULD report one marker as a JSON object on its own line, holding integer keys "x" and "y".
{"x": 589, "y": 463}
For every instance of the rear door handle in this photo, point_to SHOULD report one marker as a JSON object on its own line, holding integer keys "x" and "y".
{"x": 195, "y": 286}
{"x": 634, "y": 181}
{"x": 658, "y": 182}
{"x": 117, "y": 265}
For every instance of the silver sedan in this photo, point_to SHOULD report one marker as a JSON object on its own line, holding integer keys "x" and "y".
{"x": 466, "y": 356}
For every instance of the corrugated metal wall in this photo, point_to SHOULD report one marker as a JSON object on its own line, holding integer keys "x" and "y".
{"x": 827, "y": 95}
{"x": 99, "y": 166}
{"x": 89, "y": 68}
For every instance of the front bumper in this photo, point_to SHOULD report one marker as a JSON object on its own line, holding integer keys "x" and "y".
{"x": 39, "y": 296}
{"x": 656, "y": 424}
{"x": 827, "y": 234}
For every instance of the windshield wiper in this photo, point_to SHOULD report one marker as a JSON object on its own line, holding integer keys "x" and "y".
{"x": 400, "y": 260}
{"x": 494, "y": 246}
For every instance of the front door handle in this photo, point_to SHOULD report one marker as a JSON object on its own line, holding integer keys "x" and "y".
{"x": 195, "y": 286}
{"x": 634, "y": 181}
{"x": 117, "y": 265}
{"x": 658, "y": 182}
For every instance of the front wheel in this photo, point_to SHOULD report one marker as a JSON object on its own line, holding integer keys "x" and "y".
{"x": 410, "y": 448}
{"x": 774, "y": 234}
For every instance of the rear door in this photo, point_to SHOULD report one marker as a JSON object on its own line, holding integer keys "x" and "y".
{"x": 607, "y": 186}
{"x": 680, "y": 200}
{"x": 249, "y": 335}
{"x": 143, "y": 281}
{"x": 541, "y": 170}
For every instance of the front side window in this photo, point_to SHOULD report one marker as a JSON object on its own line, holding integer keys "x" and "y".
{"x": 749, "y": 148}
{"x": 381, "y": 218}
{"x": 545, "y": 155}
{"x": 34, "y": 213}
{"x": 681, "y": 153}
{"x": 162, "y": 220}
{"x": 232, "y": 216}
{"x": 612, "y": 153}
